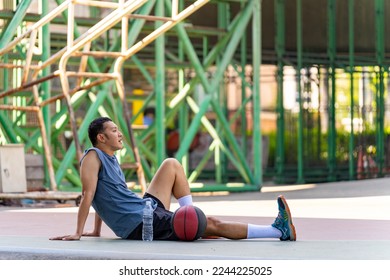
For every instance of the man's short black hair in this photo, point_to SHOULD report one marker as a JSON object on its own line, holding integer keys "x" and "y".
{"x": 96, "y": 127}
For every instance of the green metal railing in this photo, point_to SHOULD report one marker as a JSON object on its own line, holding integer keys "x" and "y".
{"x": 308, "y": 141}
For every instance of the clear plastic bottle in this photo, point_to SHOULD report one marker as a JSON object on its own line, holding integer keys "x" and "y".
{"x": 147, "y": 228}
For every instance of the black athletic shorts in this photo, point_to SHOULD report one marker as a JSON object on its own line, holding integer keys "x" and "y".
{"x": 162, "y": 229}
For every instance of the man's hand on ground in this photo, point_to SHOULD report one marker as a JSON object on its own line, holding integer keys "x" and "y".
{"x": 70, "y": 237}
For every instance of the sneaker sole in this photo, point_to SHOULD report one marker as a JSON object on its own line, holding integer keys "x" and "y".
{"x": 293, "y": 235}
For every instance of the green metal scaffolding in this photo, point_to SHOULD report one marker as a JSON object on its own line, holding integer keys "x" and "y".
{"x": 308, "y": 143}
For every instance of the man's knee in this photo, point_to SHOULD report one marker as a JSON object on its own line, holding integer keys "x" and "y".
{"x": 171, "y": 163}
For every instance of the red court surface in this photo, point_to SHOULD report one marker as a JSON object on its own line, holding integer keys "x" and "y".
{"x": 344, "y": 220}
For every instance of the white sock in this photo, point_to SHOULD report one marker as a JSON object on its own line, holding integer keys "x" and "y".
{"x": 256, "y": 231}
{"x": 185, "y": 200}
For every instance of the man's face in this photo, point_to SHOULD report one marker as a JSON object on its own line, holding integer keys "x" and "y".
{"x": 111, "y": 136}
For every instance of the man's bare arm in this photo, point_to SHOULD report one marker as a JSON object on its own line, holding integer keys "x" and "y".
{"x": 97, "y": 227}
{"x": 89, "y": 176}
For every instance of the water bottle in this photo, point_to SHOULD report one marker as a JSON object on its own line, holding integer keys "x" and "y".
{"x": 147, "y": 228}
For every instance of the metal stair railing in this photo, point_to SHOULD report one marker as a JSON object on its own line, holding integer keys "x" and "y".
{"x": 123, "y": 10}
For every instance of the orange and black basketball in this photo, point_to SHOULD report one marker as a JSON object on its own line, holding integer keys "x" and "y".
{"x": 189, "y": 223}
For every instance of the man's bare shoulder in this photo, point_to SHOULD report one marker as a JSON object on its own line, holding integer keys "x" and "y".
{"x": 91, "y": 158}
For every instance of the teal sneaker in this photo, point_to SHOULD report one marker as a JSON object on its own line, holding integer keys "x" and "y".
{"x": 283, "y": 221}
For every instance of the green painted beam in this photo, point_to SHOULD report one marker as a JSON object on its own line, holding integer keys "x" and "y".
{"x": 332, "y": 96}
{"x": 380, "y": 54}
{"x": 242, "y": 74}
{"x": 228, "y": 54}
{"x": 256, "y": 138}
{"x": 193, "y": 129}
{"x": 103, "y": 91}
{"x": 90, "y": 115}
{"x": 184, "y": 110}
{"x": 280, "y": 52}
{"x": 10, "y": 30}
{"x": 216, "y": 134}
{"x": 160, "y": 89}
{"x": 300, "y": 159}
{"x": 240, "y": 24}
{"x": 231, "y": 46}
{"x": 19, "y": 132}
{"x": 141, "y": 66}
{"x": 351, "y": 44}
{"x": 7, "y": 128}
{"x": 220, "y": 163}
{"x": 46, "y": 86}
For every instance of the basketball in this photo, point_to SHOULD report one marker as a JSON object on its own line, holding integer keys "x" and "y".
{"x": 189, "y": 223}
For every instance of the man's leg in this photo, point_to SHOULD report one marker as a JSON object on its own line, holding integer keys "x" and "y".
{"x": 231, "y": 230}
{"x": 169, "y": 180}
{"x": 283, "y": 227}
{"x": 234, "y": 230}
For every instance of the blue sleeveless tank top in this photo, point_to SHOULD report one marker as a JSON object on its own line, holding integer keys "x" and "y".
{"x": 119, "y": 208}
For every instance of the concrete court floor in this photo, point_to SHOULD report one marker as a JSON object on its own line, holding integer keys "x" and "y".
{"x": 334, "y": 221}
